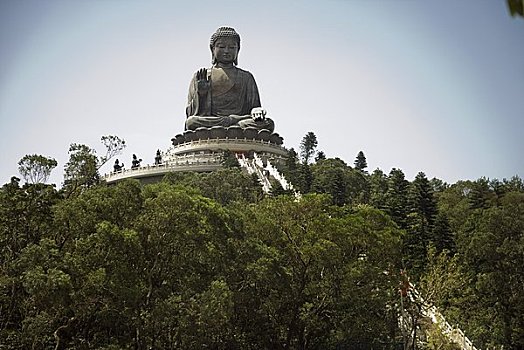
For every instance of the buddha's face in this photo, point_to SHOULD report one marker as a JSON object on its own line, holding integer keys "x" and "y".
{"x": 225, "y": 51}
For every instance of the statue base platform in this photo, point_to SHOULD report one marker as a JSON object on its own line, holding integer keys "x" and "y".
{"x": 192, "y": 153}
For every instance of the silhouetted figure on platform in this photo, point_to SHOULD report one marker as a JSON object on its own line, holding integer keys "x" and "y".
{"x": 136, "y": 162}
{"x": 117, "y": 167}
{"x": 158, "y": 158}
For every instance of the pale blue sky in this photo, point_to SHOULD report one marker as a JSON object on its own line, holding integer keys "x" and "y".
{"x": 432, "y": 86}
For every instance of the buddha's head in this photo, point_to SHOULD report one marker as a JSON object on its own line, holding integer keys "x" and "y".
{"x": 224, "y": 45}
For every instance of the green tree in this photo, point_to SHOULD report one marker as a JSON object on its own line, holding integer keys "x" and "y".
{"x": 358, "y": 187}
{"x": 308, "y": 147}
{"x": 82, "y": 169}
{"x": 114, "y": 145}
{"x": 224, "y": 186}
{"x": 229, "y": 160}
{"x": 299, "y": 175}
{"x": 36, "y": 168}
{"x": 443, "y": 277}
{"x": 228, "y": 185}
{"x": 421, "y": 223}
{"x": 306, "y": 175}
{"x": 330, "y": 177}
{"x": 26, "y": 213}
{"x": 396, "y": 198}
{"x": 438, "y": 185}
{"x": 439, "y": 282}
{"x": 480, "y": 195}
{"x": 360, "y": 162}
{"x": 442, "y": 237}
{"x": 421, "y": 199}
{"x": 104, "y": 260}
{"x": 313, "y": 277}
{"x": 184, "y": 238}
{"x": 291, "y": 168}
{"x": 320, "y": 156}
{"x": 378, "y": 187}
{"x": 291, "y": 160}
{"x": 516, "y": 7}
{"x": 515, "y": 184}
{"x": 491, "y": 244}
{"x": 454, "y": 205}
{"x": 26, "y": 218}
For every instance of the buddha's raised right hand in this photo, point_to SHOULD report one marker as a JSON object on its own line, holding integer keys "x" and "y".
{"x": 203, "y": 83}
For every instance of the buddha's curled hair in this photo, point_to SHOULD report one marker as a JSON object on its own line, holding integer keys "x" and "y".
{"x": 223, "y": 32}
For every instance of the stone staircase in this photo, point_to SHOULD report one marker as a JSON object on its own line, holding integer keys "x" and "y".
{"x": 453, "y": 334}
{"x": 252, "y": 168}
{"x": 264, "y": 171}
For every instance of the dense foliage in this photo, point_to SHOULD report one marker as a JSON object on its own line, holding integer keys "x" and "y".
{"x": 162, "y": 266}
{"x": 209, "y": 261}
{"x": 463, "y": 242}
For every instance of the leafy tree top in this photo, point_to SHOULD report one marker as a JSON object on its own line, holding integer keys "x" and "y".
{"x": 308, "y": 146}
{"x": 36, "y": 168}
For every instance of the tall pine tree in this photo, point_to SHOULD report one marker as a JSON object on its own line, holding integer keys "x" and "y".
{"x": 308, "y": 146}
{"x": 396, "y": 197}
{"x": 420, "y": 224}
{"x": 360, "y": 162}
{"x": 378, "y": 187}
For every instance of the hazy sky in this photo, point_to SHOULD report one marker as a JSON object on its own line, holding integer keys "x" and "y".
{"x": 420, "y": 85}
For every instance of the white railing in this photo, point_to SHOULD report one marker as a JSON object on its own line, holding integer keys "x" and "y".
{"x": 178, "y": 163}
{"x": 243, "y": 161}
{"x": 243, "y": 141}
{"x": 261, "y": 172}
{"x": 264, "y": 171}
{"x": 453, "y": 334}
{"x": 170, "y": 158}
{"x": 252, "y": 167}
{"x": 272, "y": 171}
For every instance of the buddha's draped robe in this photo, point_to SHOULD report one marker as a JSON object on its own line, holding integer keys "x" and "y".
{"x": 232, "y": 95}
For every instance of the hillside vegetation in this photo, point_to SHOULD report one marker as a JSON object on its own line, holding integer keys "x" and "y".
{"x": 208, "y": 261}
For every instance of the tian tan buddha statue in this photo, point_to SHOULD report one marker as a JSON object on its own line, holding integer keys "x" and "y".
{"x": 225, "y": 95}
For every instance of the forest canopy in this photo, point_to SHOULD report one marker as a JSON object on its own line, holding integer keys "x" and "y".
{"x": 210, "y": 261}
